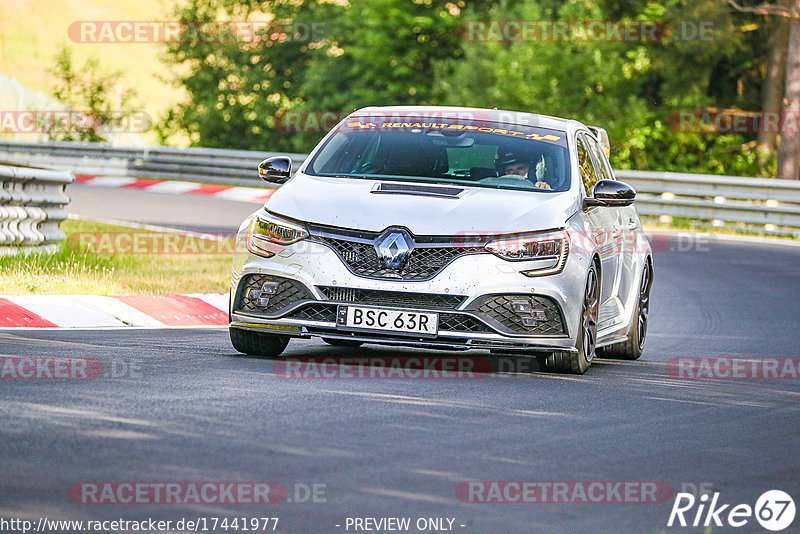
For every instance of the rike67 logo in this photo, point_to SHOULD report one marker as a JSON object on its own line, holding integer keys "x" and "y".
{"x": 774, "y": 510}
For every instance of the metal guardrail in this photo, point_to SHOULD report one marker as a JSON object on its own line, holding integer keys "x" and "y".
{"x": 210, "y": 165}
{"x": 767, "y": 205}
{"x": 32, "y": 205}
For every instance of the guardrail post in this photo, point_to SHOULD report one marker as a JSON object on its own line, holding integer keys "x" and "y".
{"x": 32, "y": 205}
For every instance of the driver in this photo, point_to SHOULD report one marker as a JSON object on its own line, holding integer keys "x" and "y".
{"x": 513, "y": 165}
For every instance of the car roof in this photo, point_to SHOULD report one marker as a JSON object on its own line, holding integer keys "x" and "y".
{"x": 495, "y": 115}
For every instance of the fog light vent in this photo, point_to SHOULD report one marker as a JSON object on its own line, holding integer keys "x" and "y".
{"x": 265, "y": 294}
{"x": 261, "y": 297}
{"x": 522, "y": 314}
{"x": 528, "y": 315}
{"x": 269, "y": 288}
{"x": 521, "y": 306}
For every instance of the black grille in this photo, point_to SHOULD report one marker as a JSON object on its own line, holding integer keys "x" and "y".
{"x": 455, "y": 322}
{"x": 422, "y": 263}
{"x": 359, "y": 256}
{"x": 425, "y": 262}
{"x": 498, "y": 308}
{"x": 398, "y": 299}
{"x": 289, "y": 292}
{"x": 316, "y": 312}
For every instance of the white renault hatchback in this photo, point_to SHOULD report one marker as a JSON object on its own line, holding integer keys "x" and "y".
{"x": 456, "y": 228}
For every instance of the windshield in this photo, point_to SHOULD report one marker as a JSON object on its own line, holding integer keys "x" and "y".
{"x": 464, "y": 152}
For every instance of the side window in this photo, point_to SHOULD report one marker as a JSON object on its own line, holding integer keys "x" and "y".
{"x": 586, "y": 166}
{"x": 600, "y": 159}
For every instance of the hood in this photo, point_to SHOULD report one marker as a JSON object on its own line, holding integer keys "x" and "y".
{"x": 350, "y": 203}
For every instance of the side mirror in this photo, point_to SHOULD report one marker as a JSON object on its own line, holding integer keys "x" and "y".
{"x": 610, "y": 193}
{"x": 275, "y": 170}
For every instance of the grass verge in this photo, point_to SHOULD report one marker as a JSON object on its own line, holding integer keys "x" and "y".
{"x": 77, "y": 269}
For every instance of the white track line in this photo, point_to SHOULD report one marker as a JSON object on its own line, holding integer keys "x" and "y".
{"x": 173, "y": 187}
{"x": 66, "y": 310}
{"x": 109, "y": 181}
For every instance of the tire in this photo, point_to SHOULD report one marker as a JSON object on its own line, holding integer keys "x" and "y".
{"x": 257, "y": 343}
{"x": 578, "y": 362}
{"x": 342, "y": 342}
{"x": 632, "y": 348}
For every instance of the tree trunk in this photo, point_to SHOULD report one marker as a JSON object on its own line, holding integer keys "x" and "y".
{"x": 789, "y": 151}
{"x": 773, "y": 91}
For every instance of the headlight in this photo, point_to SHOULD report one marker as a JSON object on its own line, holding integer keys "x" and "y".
{"x": 268, "y": 234}
{"x": 544, "y": 246}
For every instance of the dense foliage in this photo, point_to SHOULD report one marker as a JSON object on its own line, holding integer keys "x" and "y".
{"x": 386, "y": 52}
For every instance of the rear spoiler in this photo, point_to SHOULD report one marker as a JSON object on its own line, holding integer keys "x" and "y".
{"x": 602, "y": 136}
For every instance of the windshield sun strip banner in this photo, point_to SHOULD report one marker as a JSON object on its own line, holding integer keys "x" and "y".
{"x": 527, "y": 133}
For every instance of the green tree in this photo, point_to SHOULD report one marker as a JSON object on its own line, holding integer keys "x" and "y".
{"x": 363, "y": 53}
{"x": 390, "y": 52}
{"x": 628, "y": 87}
{"x": 234, "y": 88}
{"x": 91, "y": 92}
{"x": 784, "y": 62}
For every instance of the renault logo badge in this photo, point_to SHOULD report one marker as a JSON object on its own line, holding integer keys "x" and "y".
{"x": 394, "y": 247}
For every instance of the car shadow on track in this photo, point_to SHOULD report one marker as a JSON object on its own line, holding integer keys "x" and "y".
{"x": 374, "y": 357}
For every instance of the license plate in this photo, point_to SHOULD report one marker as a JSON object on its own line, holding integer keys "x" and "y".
{"x": 388, "y": 320}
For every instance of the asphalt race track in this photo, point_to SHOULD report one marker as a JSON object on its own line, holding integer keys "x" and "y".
{"x": 188, "y": 408}
{"x": 196, "y": 212}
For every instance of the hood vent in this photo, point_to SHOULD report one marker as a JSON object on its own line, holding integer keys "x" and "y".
{"x": 417, "y": 189}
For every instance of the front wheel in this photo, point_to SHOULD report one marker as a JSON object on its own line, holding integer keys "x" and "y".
{"x": 257, "y": 343}
{"x": 632, "y": 348}
{"x": 578, "y": 362}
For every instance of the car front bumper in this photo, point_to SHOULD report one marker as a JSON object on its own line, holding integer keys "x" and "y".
{"x": 471, "y": 294}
